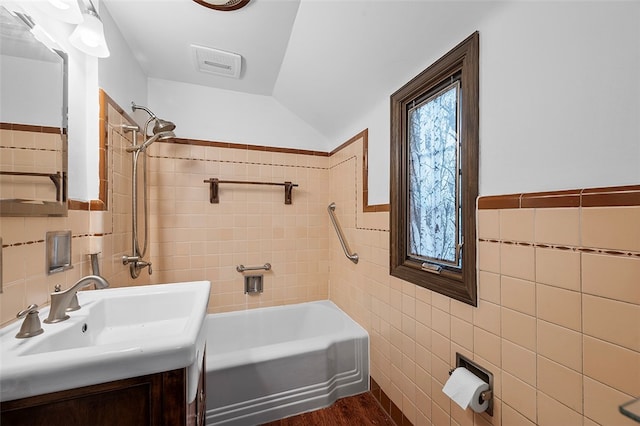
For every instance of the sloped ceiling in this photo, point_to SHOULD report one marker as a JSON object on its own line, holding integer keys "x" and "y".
{"x": 324, "y": 60}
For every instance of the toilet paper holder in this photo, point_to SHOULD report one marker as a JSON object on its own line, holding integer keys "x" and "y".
{"x": 482, "y": 373}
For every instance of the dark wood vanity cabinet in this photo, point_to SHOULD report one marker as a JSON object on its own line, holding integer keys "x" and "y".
{"x": 156, "y": 399}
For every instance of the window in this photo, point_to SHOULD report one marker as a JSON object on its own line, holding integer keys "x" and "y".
{"x": 434, "y": 175}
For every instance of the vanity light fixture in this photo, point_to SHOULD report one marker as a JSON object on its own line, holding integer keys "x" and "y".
{"x": 88, "y": 36}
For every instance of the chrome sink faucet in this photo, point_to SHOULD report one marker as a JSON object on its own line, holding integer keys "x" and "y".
{"x": 60, "y": 301}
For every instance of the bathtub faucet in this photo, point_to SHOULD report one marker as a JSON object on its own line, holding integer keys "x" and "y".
{"x": 61, "y": 300}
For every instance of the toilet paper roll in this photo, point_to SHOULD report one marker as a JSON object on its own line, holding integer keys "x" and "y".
{"x": 465, "y": 388}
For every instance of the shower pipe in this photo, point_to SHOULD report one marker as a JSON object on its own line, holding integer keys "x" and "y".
{"x": 345, "y": 247}
{"x": 162, "y": 130}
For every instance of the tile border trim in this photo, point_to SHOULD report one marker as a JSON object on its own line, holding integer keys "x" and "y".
{"x": 30, "y": 128}
{"x": 582, "y": 249}
{"x": 218, "y": 144}
{"x": 612, "y": 196}
{"x": 26, "y": 243}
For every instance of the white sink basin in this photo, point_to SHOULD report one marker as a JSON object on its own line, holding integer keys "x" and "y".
{"x": 117, "y": 333}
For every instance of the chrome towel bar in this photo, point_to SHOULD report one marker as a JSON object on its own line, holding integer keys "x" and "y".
{"x": 214, "y": 184}
{"x": 345, "y": 247}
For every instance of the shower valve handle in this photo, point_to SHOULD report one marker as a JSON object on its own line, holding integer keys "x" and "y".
{"x": 137, "y": 263}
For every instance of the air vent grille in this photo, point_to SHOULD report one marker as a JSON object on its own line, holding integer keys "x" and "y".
{"x": 219, "y": 62}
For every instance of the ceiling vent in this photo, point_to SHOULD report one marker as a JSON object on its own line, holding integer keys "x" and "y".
{"x": 219, "y": 62}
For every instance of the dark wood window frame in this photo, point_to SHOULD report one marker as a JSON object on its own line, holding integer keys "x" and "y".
{"x": 457, "y": 284}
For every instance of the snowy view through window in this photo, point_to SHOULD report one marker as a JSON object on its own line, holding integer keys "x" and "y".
{"x": 434, "y": 178}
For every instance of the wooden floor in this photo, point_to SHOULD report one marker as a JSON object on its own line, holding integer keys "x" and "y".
{"x": 359, "y": 410}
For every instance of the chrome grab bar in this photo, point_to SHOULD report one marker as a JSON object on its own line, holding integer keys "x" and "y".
{"x": 242, "y": 268}
{"x": 345, "y": 247}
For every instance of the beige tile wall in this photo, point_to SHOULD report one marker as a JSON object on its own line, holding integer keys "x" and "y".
{"x": 558, "y": 320}
{"x": 193, "y": 239}
{"x": 25, "y": 280}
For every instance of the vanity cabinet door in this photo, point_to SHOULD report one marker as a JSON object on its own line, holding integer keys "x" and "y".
{"x": 134, "y": 402}
{"x": 156, "y": 399}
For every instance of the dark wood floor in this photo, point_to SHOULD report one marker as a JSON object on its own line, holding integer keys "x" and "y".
{"x": 359, "y": 410}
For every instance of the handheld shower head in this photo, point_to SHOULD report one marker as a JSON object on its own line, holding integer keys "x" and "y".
{"x": 158, "y": 136}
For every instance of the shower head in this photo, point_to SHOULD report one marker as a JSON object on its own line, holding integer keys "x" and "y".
{"x": 160, "y": 124}
{"x": 163, "y": 126}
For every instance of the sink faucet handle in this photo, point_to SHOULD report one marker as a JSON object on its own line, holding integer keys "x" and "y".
{"x": 31, "y": 325}
{"x": 29, "y": 309}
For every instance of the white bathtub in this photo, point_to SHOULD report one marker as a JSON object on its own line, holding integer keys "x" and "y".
{"x": 270, "y": 363}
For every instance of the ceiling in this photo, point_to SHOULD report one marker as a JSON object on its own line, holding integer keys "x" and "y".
{"x": 327, "y": 61}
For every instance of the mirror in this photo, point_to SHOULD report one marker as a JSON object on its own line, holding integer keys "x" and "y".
{"x": 33, "y": 121}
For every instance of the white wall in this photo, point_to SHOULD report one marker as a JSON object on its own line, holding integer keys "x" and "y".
{"x": 221, "y": 115}
{"x": 120, "y": 75}
{"x": 22, "y": 84}
{"x": 559, "y": 100}
{"x": 376, "y": 119}
{"x": 560, "y": 97}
